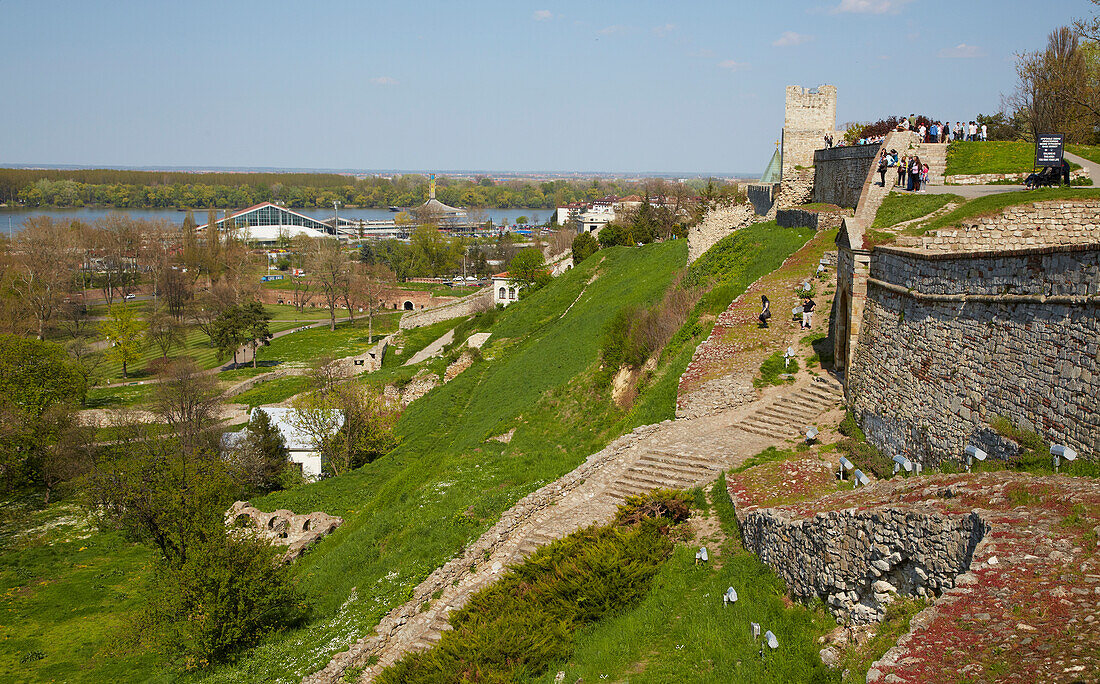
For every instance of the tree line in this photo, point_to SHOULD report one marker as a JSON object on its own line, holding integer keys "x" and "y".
{"x": 146, "y": 189}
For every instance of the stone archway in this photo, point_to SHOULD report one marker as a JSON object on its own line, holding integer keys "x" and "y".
{"x": 843, "y": 325}
{"x": 408, "y": 305}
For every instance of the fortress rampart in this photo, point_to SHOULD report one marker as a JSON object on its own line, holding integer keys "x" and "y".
{"x": 949, "y": 340}
{"x": 840, "y": 172}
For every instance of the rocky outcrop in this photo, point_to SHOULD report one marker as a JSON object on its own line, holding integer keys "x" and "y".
{"x": 283, "y": 527}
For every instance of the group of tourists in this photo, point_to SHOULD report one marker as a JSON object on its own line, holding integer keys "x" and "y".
{"x": 912, "y": 172}
{"x": 808, "y": 306}
{"x": 938, "y": 132}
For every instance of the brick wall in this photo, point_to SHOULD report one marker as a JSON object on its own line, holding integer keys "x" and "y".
{"x": 481, "y": 300}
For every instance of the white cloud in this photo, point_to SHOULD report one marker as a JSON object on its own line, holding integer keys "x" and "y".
{"x": 384, "y": 81}
{"x": 962, "y": 51}
{"x": 662, "y": 31}
{"x": 791, "y": 38}
{"x": 869, "y": 6}
{"x": 543, "y": 15}
{"x": 613, "y": 29}
{"x": 732, "y": 65}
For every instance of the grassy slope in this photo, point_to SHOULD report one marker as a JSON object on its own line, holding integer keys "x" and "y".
{"x": 964, "y": 158}
{"x": 682, "y": 632}
{"x": 414, "y": 508}
{"x": 898, "y": 208}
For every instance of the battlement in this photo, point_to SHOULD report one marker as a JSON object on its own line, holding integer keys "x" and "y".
{"x": 810, "y": 114}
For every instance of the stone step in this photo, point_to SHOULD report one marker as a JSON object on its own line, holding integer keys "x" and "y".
{"x": 790, "y": 410}
{"x": 775, "y": 429}
{"x": 693, "y": 459}
{"x": 764, "y": 419}
{"x": 671, "y": 474}
{"x": 623, "y": 492}
{"x": 687, "y": 467}
{"x": 763, "y": 431}
{"x": 635, "y": 479}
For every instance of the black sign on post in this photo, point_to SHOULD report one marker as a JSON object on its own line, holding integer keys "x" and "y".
{"x": 1049, "y": 148}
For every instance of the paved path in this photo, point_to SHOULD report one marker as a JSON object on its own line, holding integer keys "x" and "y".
{"x": 432, "y": 349}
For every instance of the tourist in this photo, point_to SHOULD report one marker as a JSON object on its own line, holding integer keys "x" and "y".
{"x": 808, "y": 313}
{"x": 924, "y": 176}
{"x": 945, "y": 131}
{"x": 914, "y": 175}
{"x": 933, "y": 133}
{"x": 923, "y": 133}
{"x": 765, "y": 313}
{"x": 903, "y": 164}
{"x": 882, "y": 164}
{"x": 959, "y": 131}
{"x": 1065, "y": 171}
{"x": 985, "y": 133}
{"x": 973, "y": 132}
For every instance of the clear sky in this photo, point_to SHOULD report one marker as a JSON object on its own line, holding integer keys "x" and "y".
{"x": 641, "y": 86}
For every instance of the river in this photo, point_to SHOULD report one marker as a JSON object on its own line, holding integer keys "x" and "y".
{"x": 12, "y": 219}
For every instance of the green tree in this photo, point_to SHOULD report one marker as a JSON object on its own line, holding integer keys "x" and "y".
{"x": 262, "y": 454}
{"x": 528, "y": 269}
{"x": 255, "y": 328}
{"x": 125, "y": 331}
{"x": 584, "y": 246}
{"x": 228, "y": 332}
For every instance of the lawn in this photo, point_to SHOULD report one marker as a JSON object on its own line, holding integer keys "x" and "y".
{"x": 971, "y": 157}
{"x": 119, "y": 395}
{"x": 681, "y": 631}
{"x": 1090, "y": 152}
{"x": 898, "y": 208}
{"x": 349, "y": 338}
{"x": 272, "y": 391}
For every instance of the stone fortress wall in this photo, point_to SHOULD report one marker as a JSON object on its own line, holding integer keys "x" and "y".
{"x": 839, "y": 173}
{"x": 810, "y": 114}
{"x": 998, "y": 318}
{"x": 482, "y": 300}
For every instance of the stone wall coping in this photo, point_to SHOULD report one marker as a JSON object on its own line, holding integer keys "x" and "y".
{"x": 1071, "y": 300}
{"x": 920, "y": 253}
{"x": 846, "y": 152}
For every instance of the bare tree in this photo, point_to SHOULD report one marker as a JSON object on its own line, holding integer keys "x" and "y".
{"x": 373, "y": 283}
{"x": 330, "y": 268}
{"x": 117, "y": 239}
{"x": 87, "y": 360}
{"x": 1057, "y": 88}
{"x": 44, "y": 262}
{"x": 165, "y": 333}
{"x": 187, "y": 400}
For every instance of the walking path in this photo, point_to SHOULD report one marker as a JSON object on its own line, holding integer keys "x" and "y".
{"x": 432, "y": 349}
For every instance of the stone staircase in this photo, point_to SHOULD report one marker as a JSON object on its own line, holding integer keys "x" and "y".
{"x": 661, "y": 469}
{"x": 789, "y": 415}
{"x": 935, "y": 155}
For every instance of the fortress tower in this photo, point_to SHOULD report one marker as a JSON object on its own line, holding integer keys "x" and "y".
{"x": 810, "y": 115}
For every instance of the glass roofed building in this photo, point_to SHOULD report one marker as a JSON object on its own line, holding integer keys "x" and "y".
{"x": 266, "y": 222}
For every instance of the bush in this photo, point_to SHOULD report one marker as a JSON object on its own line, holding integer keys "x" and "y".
{"x": 514, "y": 629}
{"x": 584, "y": 246}
{"x": 772, "y": 368}
{"x": 232, "y": 592}
{"x": 663, "y": 504}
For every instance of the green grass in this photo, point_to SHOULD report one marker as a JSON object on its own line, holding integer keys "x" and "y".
{"x": 119, "y": 395}
{"x": 898, "y": 208}
{"x": 349, "y": 338}
{"x": 772, "y": 368}
{"x": 272, "y": 391}
{"x": 409, "y": 511}
{"x": 413, "y": 340}
{"x": 966, "y": 158}
{"x": 681, "y": 632}
{"x": 995, "y": 204}
{"x": 67, "y": 598}
{"x": 518, "y": 625}
{"x": 1090, "y": 152}
{"x": 857, "y": 660}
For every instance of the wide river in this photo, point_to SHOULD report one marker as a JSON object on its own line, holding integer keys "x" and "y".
{"x": 12, "y": 219}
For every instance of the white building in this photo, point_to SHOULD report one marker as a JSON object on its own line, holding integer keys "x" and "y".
{"x": 599, "y": 214}
{"x": 298, "y": 442}
{"x": 505, "y": 291}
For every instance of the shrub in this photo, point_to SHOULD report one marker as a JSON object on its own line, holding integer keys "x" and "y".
{"x": 660, "y": 504}
{"x": 231, "y": 592}
{"x": 772, "y": 368}
{"x": 584, "y": 246}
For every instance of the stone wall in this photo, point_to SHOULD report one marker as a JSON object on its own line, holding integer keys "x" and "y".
{"x": 762, "y": 196}
{"x": 1050, "y": 223}
{"x": 797, "y": 187}
{"x": 949, "y": 341}
{"x": 800, "y": 218}
{"x": 987, "y": 178}
{"x": 840, "y": 173}
{"x": 855, "y": 559}
{"x": 808, "y": 116}
{"x": 717, "y": 224}
{"x": 482, "y": 300}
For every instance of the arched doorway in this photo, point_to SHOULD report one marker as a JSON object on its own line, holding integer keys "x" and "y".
{"x": 408, "y": 305}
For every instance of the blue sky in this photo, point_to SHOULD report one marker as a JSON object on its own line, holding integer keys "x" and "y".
{"x": 509, "y": 86}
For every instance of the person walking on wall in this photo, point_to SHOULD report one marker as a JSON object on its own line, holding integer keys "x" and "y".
{"x": 808, "y": 313}
{"x": 765, "y": 312}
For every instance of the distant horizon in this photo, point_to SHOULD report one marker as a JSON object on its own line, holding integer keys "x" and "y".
{"x": 355, "y": 171}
